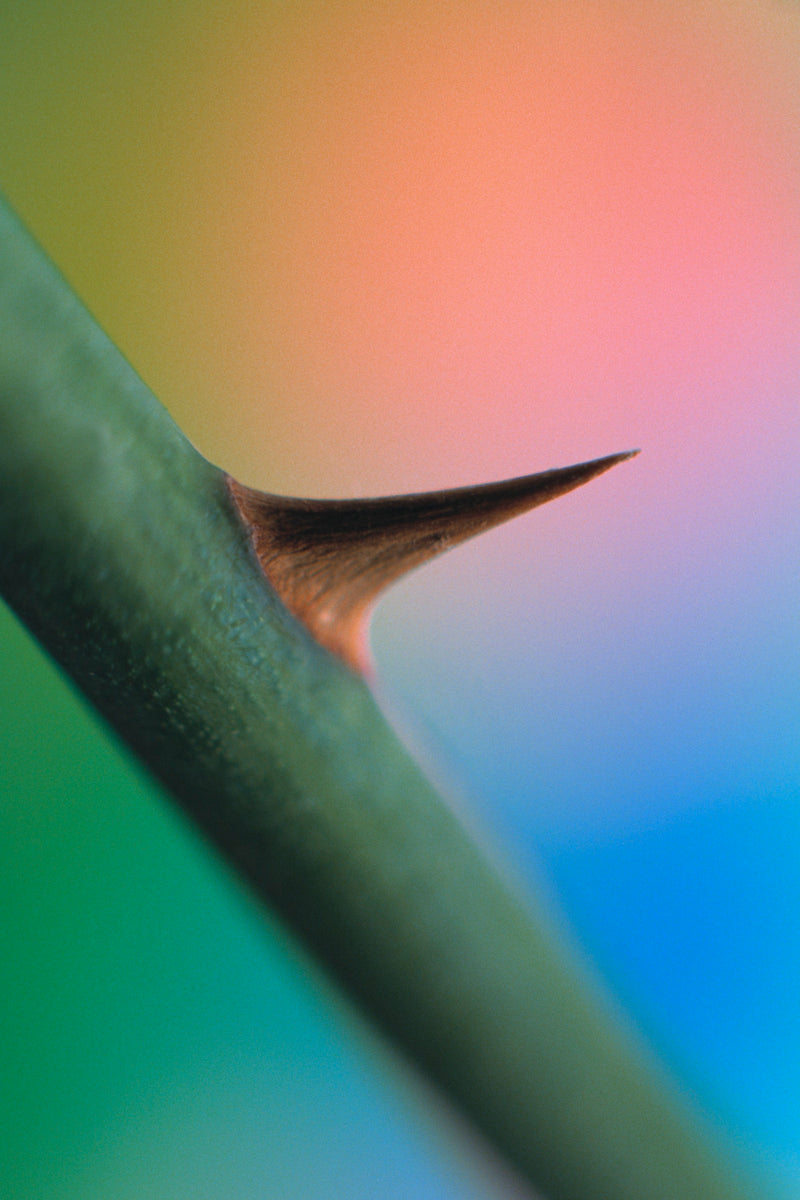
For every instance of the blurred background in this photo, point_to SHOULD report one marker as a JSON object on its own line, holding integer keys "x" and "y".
{"x": 363, "y": 248}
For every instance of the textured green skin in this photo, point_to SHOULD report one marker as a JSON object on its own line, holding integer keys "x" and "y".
{"x": 120, "y": 550}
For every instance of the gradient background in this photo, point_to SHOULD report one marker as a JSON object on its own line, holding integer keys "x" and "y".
{"x": 361, "y": 248}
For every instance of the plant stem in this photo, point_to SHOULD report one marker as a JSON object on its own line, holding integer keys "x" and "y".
{"x": 121, "y": 550}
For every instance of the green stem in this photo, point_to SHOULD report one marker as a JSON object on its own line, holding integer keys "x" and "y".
{"x": 121, "y": 551}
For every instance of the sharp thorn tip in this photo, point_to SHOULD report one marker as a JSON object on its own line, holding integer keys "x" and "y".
{"x": 329, "y": 560}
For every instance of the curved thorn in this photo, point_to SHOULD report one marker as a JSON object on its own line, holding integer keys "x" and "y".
{"x": 329, "y": 560}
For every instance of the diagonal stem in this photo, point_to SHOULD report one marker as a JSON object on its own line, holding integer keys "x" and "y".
{"x": 122, "y": 551}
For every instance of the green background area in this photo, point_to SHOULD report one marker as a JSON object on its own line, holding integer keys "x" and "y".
{"x": 160, "y": 1036}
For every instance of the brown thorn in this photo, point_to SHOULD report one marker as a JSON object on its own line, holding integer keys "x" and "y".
{"x": 329, "y": 560}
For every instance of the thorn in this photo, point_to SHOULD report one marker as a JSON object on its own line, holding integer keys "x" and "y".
{"x": 329, "y": 560}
